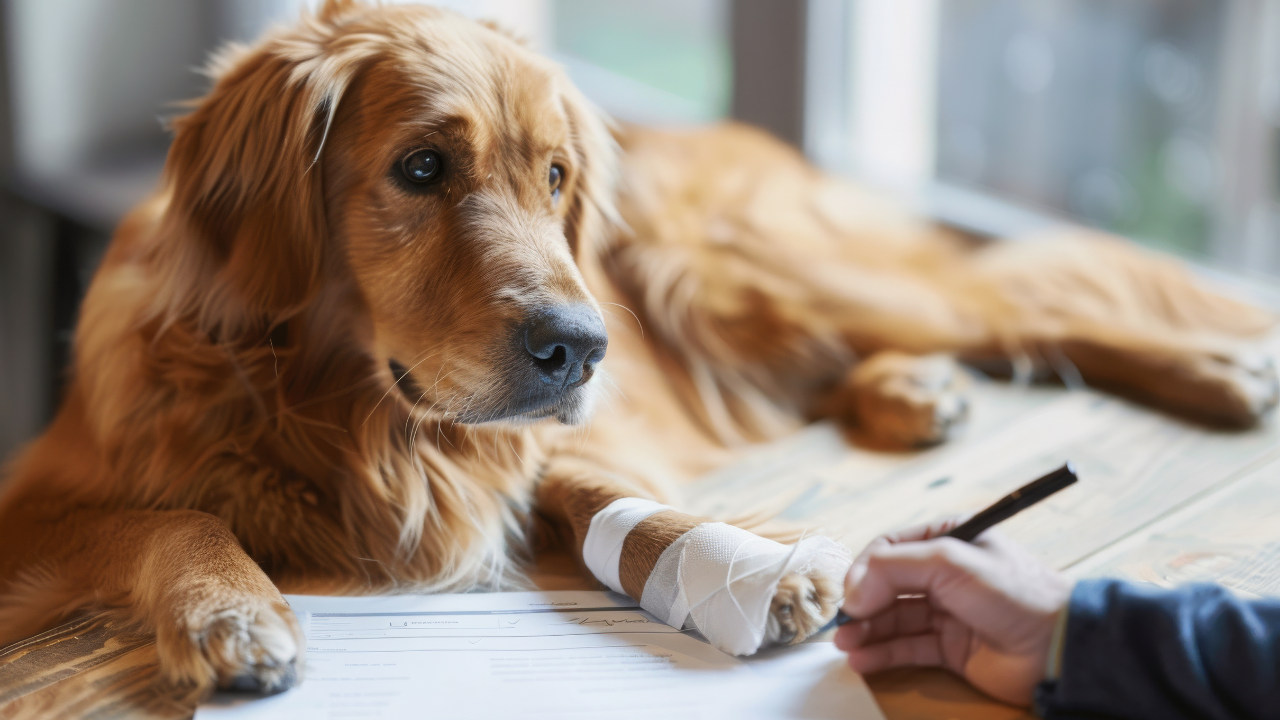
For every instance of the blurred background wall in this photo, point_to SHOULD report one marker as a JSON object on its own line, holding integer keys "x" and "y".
{"x": 1156, "y": 119}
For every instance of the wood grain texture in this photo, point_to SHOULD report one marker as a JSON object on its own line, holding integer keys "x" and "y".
{"x": 1135, "y": 467}
{"x": 1231, "y": 537}
{"x": 87, "y": 668}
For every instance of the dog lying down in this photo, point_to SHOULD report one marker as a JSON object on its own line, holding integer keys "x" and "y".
{"x": 356, "y": 343}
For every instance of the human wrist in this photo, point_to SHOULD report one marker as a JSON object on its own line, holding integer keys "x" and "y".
{"x": 1053, "y": 663}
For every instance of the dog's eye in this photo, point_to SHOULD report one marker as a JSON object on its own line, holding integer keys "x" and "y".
{"x": 422, "y": 166}
{"x": 557, "y": 174}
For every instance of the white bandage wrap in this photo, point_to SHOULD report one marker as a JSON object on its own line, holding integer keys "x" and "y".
{"x": 602, "y": 548}
{"x": 723, "y": 579}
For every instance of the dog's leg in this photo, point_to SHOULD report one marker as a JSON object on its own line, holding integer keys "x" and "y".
{"x": 573, "y": 491}
{"x": 217, "y": 618}
{"x": 1231, "y": 385}
{"x": 767, "y": 279}
{"x": 766, "y": 274}
{"x": 895, "y": 401}
{"x": 1133, "y": 323}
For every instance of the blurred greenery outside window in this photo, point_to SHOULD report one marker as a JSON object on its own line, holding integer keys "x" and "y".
{"x": 656, "y": 61}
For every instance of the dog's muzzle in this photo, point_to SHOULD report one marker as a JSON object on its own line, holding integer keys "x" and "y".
{"x": 548, "y": 360}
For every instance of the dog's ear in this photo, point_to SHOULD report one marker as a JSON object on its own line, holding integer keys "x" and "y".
{"x": 244, "y": 171}
{"x": 592, "y": 213}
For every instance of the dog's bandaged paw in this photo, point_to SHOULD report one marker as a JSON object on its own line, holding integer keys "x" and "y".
{"x": 723, "y": 581}
{"x": 739, "y": 590}
{"x": 602, "y": 548}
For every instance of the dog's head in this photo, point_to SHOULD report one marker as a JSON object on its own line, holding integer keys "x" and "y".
{"x": 439, "y": 175}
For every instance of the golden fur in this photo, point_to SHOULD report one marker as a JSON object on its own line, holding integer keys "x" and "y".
{"x": 233, "y": 426}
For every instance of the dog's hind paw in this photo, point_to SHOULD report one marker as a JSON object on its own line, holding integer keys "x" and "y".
{"x": 801, "y": 606}
{"x": 1252, "y": 385}
{"x": 254, "y": 647}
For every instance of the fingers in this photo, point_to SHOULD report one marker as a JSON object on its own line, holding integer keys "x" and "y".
{"x": 910, "y": 633}
{"x": 915, "y": 533}
{"x": 913, "y": 650}
{"x": 876, "y": 581}
{"x": 910, "y": 616}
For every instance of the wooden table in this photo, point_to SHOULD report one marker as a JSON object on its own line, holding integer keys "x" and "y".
{"x": 1159, "y": 500}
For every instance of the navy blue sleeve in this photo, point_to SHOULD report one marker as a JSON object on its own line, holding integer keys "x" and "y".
{"x": 1136, "y": 651}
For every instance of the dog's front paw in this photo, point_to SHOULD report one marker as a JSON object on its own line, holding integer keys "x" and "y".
{"x": 899, "y": 401}
{"x": 801, "y": 606}
{"x": 255, "y": 646}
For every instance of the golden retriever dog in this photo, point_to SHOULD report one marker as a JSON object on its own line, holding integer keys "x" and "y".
{"x": 405, "y": 308}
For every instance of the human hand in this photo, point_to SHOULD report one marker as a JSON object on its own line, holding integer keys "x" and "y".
{"x": 987, "y": 610}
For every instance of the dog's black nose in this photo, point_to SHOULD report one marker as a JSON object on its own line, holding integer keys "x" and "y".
{"x": 566, "y": 342}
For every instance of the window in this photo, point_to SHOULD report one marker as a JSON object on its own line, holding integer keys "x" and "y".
{"x": 1155, "y": 119}
{"x": 1104, "y": 111}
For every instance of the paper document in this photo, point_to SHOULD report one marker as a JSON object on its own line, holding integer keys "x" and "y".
{"x": 538, "y": 655}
